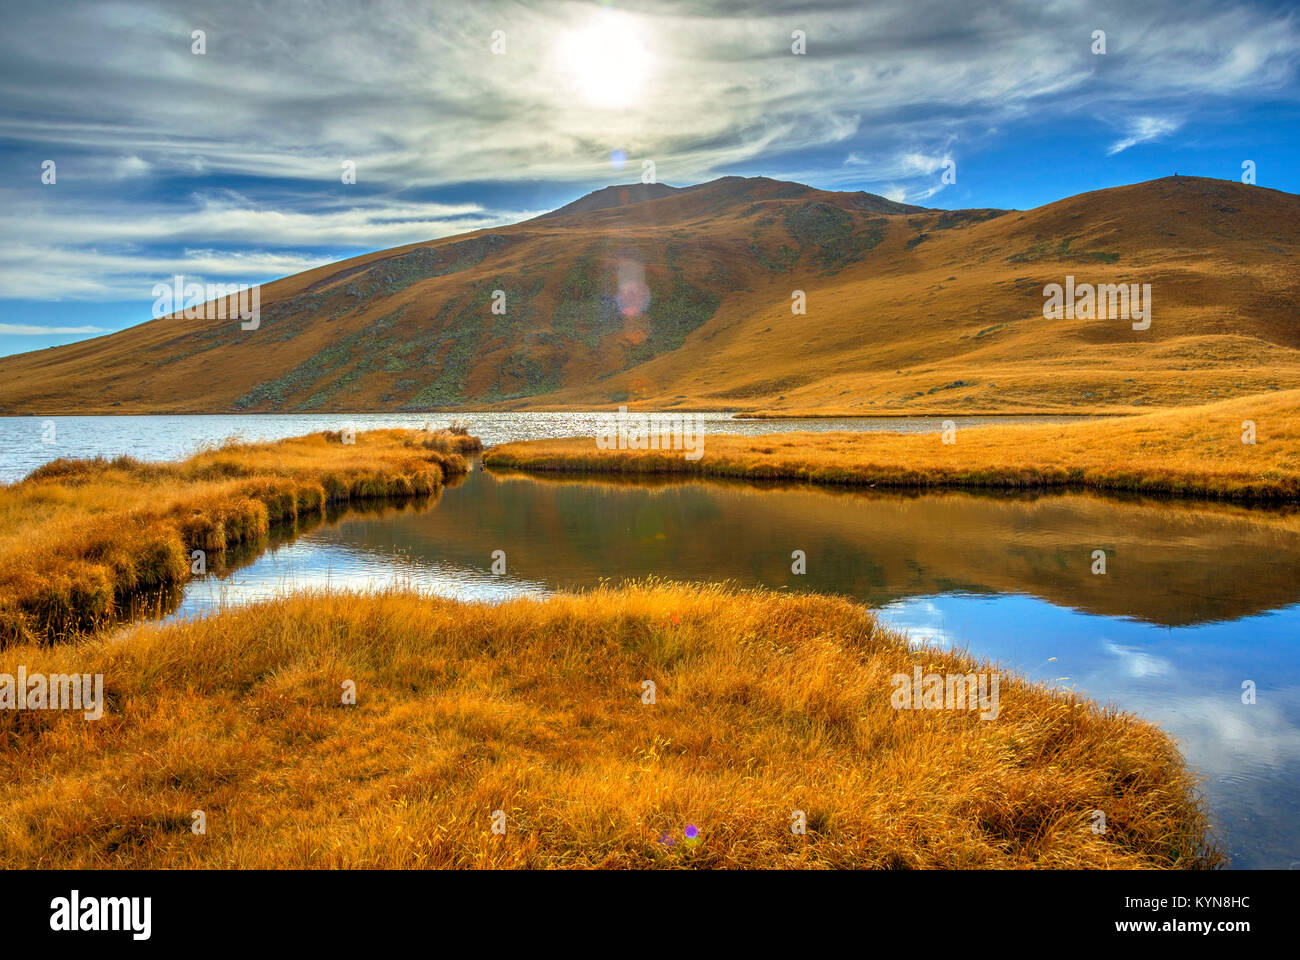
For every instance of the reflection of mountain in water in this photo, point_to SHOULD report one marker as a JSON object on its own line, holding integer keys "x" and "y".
{"x": 166, "y": 600}
{"x": 1168, "y": 563}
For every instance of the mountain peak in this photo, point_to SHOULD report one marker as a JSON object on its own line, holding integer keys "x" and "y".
{"x": 726, "y": 190}
{"x": 615, "y": 195}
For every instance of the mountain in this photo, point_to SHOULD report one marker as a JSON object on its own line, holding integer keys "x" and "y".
{"x": 671, "y": 296}
{"x": 619, "y": 195}
{"x": 714, "y": 196}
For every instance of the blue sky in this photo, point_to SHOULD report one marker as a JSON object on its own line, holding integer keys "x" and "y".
{"x": 226, "y": 166}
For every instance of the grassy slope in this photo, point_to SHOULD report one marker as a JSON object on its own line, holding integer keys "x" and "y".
{"x": 766, "y": 703}
{"x": 907, "y": 312}
{"x": 1195, "y": 451}
{"x": 955, "y": 323}
{"x": 79, "y": 537}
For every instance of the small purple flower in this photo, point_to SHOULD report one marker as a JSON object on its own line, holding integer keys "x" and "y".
{"x": 691, "y": 831}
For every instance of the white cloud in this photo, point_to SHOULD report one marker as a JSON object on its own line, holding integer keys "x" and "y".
{"x": 907, "y": 176}
{"x": 49, "y": 254}
{"x": 130, "y": 167}
{"x": 1142, "y": 130}
{"x": 34, "y": 330}
{"x": 416, "y": 98}
{"x": 213, "y": 219}
{"x": 418, "y": 101}
{"x": 59, "y": 273}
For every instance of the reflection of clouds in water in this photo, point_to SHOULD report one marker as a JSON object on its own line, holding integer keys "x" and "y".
{"x": 310, "y": 564}
{"x": 1137, "y": 663}
{"x": 1186, "y": 681}
{"x": 1247, "y": 755}
{"x": 1231, "y": 736}
{"x": 921, "y": 620}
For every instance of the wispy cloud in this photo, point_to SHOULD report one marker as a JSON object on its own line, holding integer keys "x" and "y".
{"x": 35, "y": 330}
{"x": 56, "y": 273}
{"x": 168, "y": 157}
{"x": 1142, "y": 130}
{"x": 122, "y": 249}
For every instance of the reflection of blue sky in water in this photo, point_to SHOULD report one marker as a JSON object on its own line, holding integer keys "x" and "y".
{"x": 1186, "y": 679}
{"x": 315, "y": 561}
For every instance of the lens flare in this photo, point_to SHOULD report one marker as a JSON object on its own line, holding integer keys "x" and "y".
{"x": 631, "y": 293}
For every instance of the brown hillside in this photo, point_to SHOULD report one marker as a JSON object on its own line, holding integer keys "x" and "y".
{"x": 684, "y": 300}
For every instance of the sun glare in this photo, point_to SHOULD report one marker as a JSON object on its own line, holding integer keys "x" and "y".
{"x": 607, "y": 61}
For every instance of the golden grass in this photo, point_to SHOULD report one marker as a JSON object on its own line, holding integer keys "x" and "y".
{"x": 79, "y": 537}
{"x": 766, "y": 703}
{"x": 1196, "y": 451}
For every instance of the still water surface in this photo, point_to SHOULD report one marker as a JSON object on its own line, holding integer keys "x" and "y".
{"x": 1197, "y": 598}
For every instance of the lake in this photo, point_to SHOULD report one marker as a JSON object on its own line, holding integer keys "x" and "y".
{"x": 28, "y": 442}
{"x": 1196, "y": 600}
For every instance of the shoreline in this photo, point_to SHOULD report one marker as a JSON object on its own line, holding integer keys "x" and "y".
{"x": 596, "y": 726}
{"x": 1200, "y": 452}
{"x": 610, "y": 407}
{"x": 80, "y": 539}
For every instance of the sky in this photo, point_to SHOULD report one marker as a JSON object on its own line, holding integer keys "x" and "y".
{"x": 308, "y": 131}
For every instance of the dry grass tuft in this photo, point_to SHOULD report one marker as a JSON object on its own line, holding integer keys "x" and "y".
{"x": 80, "y": 537}
{"x": 454, "y": 439}
{"x": 1195, "y": 452}
{"x": 767, "y": 703}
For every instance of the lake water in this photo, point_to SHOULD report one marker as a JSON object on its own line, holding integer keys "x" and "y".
{"x": 1196, "y": 600}
{"x": 28, "y": 442}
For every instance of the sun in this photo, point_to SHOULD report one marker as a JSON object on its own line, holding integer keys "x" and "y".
{"x": 606, "y": 60}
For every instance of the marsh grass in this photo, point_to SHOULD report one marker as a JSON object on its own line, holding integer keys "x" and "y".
{"x": 1191, "y": 452}
{"x": 78, "y": 538}
{"x": 455, "y": 438}
{"x": 767, "y": 703}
